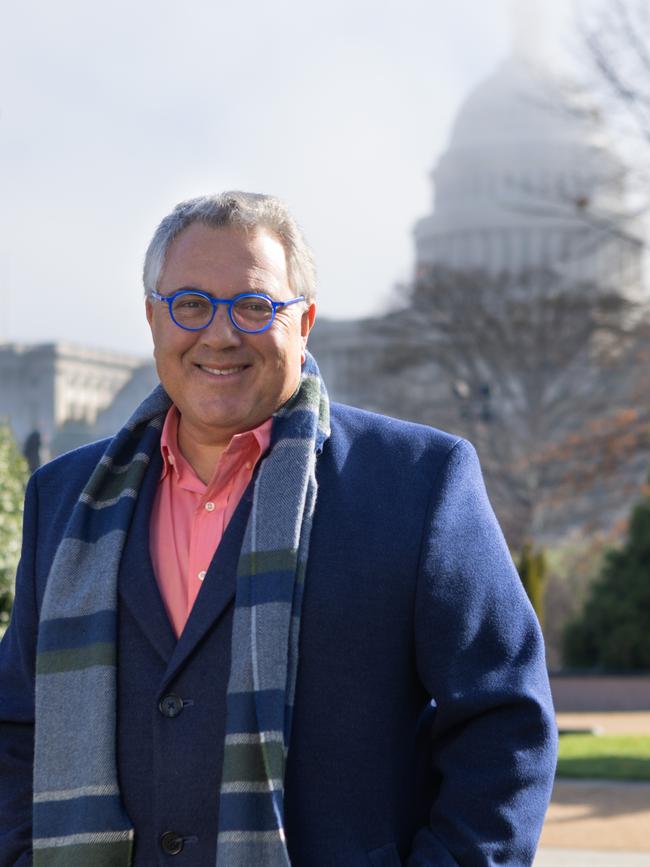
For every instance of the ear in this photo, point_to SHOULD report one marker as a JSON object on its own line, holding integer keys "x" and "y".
{"x": 306, "y": 325}
{"x": 148, "y": 306}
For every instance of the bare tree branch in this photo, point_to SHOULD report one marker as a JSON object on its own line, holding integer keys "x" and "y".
{"x": 527, "y": 370}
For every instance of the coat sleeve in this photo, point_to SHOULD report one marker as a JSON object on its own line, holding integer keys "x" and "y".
{"x": 480, "y": 657}
{"x": 17, "y": 667}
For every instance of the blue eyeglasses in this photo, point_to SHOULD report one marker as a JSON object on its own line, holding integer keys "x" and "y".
{"x": 250, "y": 312}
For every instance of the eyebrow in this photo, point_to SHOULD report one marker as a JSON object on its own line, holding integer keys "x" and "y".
{"x": 264, "y": 292}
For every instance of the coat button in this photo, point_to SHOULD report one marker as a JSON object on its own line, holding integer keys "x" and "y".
{"x": 171, "y": 843}
{"x": 170, "y": 705}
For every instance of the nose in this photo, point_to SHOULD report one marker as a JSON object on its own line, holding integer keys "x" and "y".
{"x": 221, "y": 333}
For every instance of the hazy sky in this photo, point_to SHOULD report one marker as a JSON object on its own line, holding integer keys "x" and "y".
{"x": 111, "y": 113}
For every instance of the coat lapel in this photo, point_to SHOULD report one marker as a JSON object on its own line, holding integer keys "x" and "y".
{"x": 139, "y": 591}
{"x": 218, "y": 588}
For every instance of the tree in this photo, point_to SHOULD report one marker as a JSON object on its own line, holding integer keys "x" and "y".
{"x": 613, "y": 92}
{"x": 13, "y": 476}
{"x": 524, "y": 366}
{"x": 532, "y": 569}
{"x": 613, "y": 631}
{"x": 604, "y": 95}
{"x": 617, "y": 42}
{"x": 573, "y": 566}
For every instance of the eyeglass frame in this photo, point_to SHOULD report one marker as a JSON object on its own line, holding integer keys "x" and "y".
{"x": 169, "y": 300}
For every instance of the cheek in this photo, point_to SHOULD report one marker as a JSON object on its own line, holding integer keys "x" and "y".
{"x": 274, "y": 348}
{"x": 289, "y": 343}
{"x": 170, "y": 344}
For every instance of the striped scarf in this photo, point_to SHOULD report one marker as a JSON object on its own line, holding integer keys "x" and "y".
{"x": 79, "y": 818}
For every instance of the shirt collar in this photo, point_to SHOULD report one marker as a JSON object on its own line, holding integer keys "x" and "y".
{"x": 173, "y": 457}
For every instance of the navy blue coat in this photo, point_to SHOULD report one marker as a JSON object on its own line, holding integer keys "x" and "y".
{"x": 423, "y": 731}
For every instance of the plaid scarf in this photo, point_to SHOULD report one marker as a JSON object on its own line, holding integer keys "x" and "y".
{"x": 79, "y": 818}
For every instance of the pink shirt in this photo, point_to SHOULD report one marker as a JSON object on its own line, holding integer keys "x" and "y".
{"x": 189, "y": 517}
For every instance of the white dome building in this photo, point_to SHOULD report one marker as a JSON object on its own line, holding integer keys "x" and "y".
{"x": 526, "y": 183}
{"x": 525, "y": 186}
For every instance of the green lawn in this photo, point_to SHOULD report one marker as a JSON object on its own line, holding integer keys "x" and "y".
{"x": 604, "y": 757}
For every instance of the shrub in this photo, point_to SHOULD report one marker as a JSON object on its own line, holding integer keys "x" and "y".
{"x": 13, "y": 476}
{"x": 613, "y": 631}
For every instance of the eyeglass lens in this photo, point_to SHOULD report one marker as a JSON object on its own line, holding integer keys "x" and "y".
{"x": 195, "y": 311}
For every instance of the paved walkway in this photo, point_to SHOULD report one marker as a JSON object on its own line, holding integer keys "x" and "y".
{"x": 593, "y": 823}
{"x": 592, "y": 814}
{"x": 590, "y": 858}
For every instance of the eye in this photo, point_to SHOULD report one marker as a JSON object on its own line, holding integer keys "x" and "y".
{"x": 252, "y": 312}
{"x": 193, "y": 311}
{"x": 191, "y": 302}
{"x": 253, "y": 304}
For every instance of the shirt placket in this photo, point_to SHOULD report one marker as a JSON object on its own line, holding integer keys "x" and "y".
{"x": 207, "y": 525}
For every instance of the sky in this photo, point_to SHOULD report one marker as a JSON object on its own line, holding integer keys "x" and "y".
{"x": 112, "y": 113}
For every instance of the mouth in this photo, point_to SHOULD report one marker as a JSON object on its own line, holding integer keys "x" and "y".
{"x": 222, "y": 371}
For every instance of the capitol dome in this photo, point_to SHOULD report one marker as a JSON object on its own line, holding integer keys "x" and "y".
{"x": 517, "y": 102}
{"x": 526, "y": 183}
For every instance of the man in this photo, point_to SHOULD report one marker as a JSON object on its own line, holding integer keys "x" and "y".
{"x": 257, "y": 628}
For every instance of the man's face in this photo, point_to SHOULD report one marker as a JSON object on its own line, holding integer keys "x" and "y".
{"x": 222, "y": 380}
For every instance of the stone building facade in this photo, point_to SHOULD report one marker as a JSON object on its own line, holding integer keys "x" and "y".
{"x": 60, "y": 390}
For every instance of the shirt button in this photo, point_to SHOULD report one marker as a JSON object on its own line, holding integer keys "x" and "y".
{"x": 249, "y": 465}
{"x": 201, "y": 575}
{"x": 171, "y": 843}
{"x": 209, "y": 507}
{"x": 170, "y": 705}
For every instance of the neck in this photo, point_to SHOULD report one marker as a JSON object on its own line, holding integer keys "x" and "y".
{"x": 202, "y": 456}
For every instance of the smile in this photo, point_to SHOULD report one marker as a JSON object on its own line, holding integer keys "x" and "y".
{"x": 221, "y": 371}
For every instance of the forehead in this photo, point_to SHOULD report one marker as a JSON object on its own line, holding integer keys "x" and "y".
{"x": 202, "y": 256}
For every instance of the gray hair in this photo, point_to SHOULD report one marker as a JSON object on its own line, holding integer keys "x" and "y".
{"x": 247, "y": 211}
